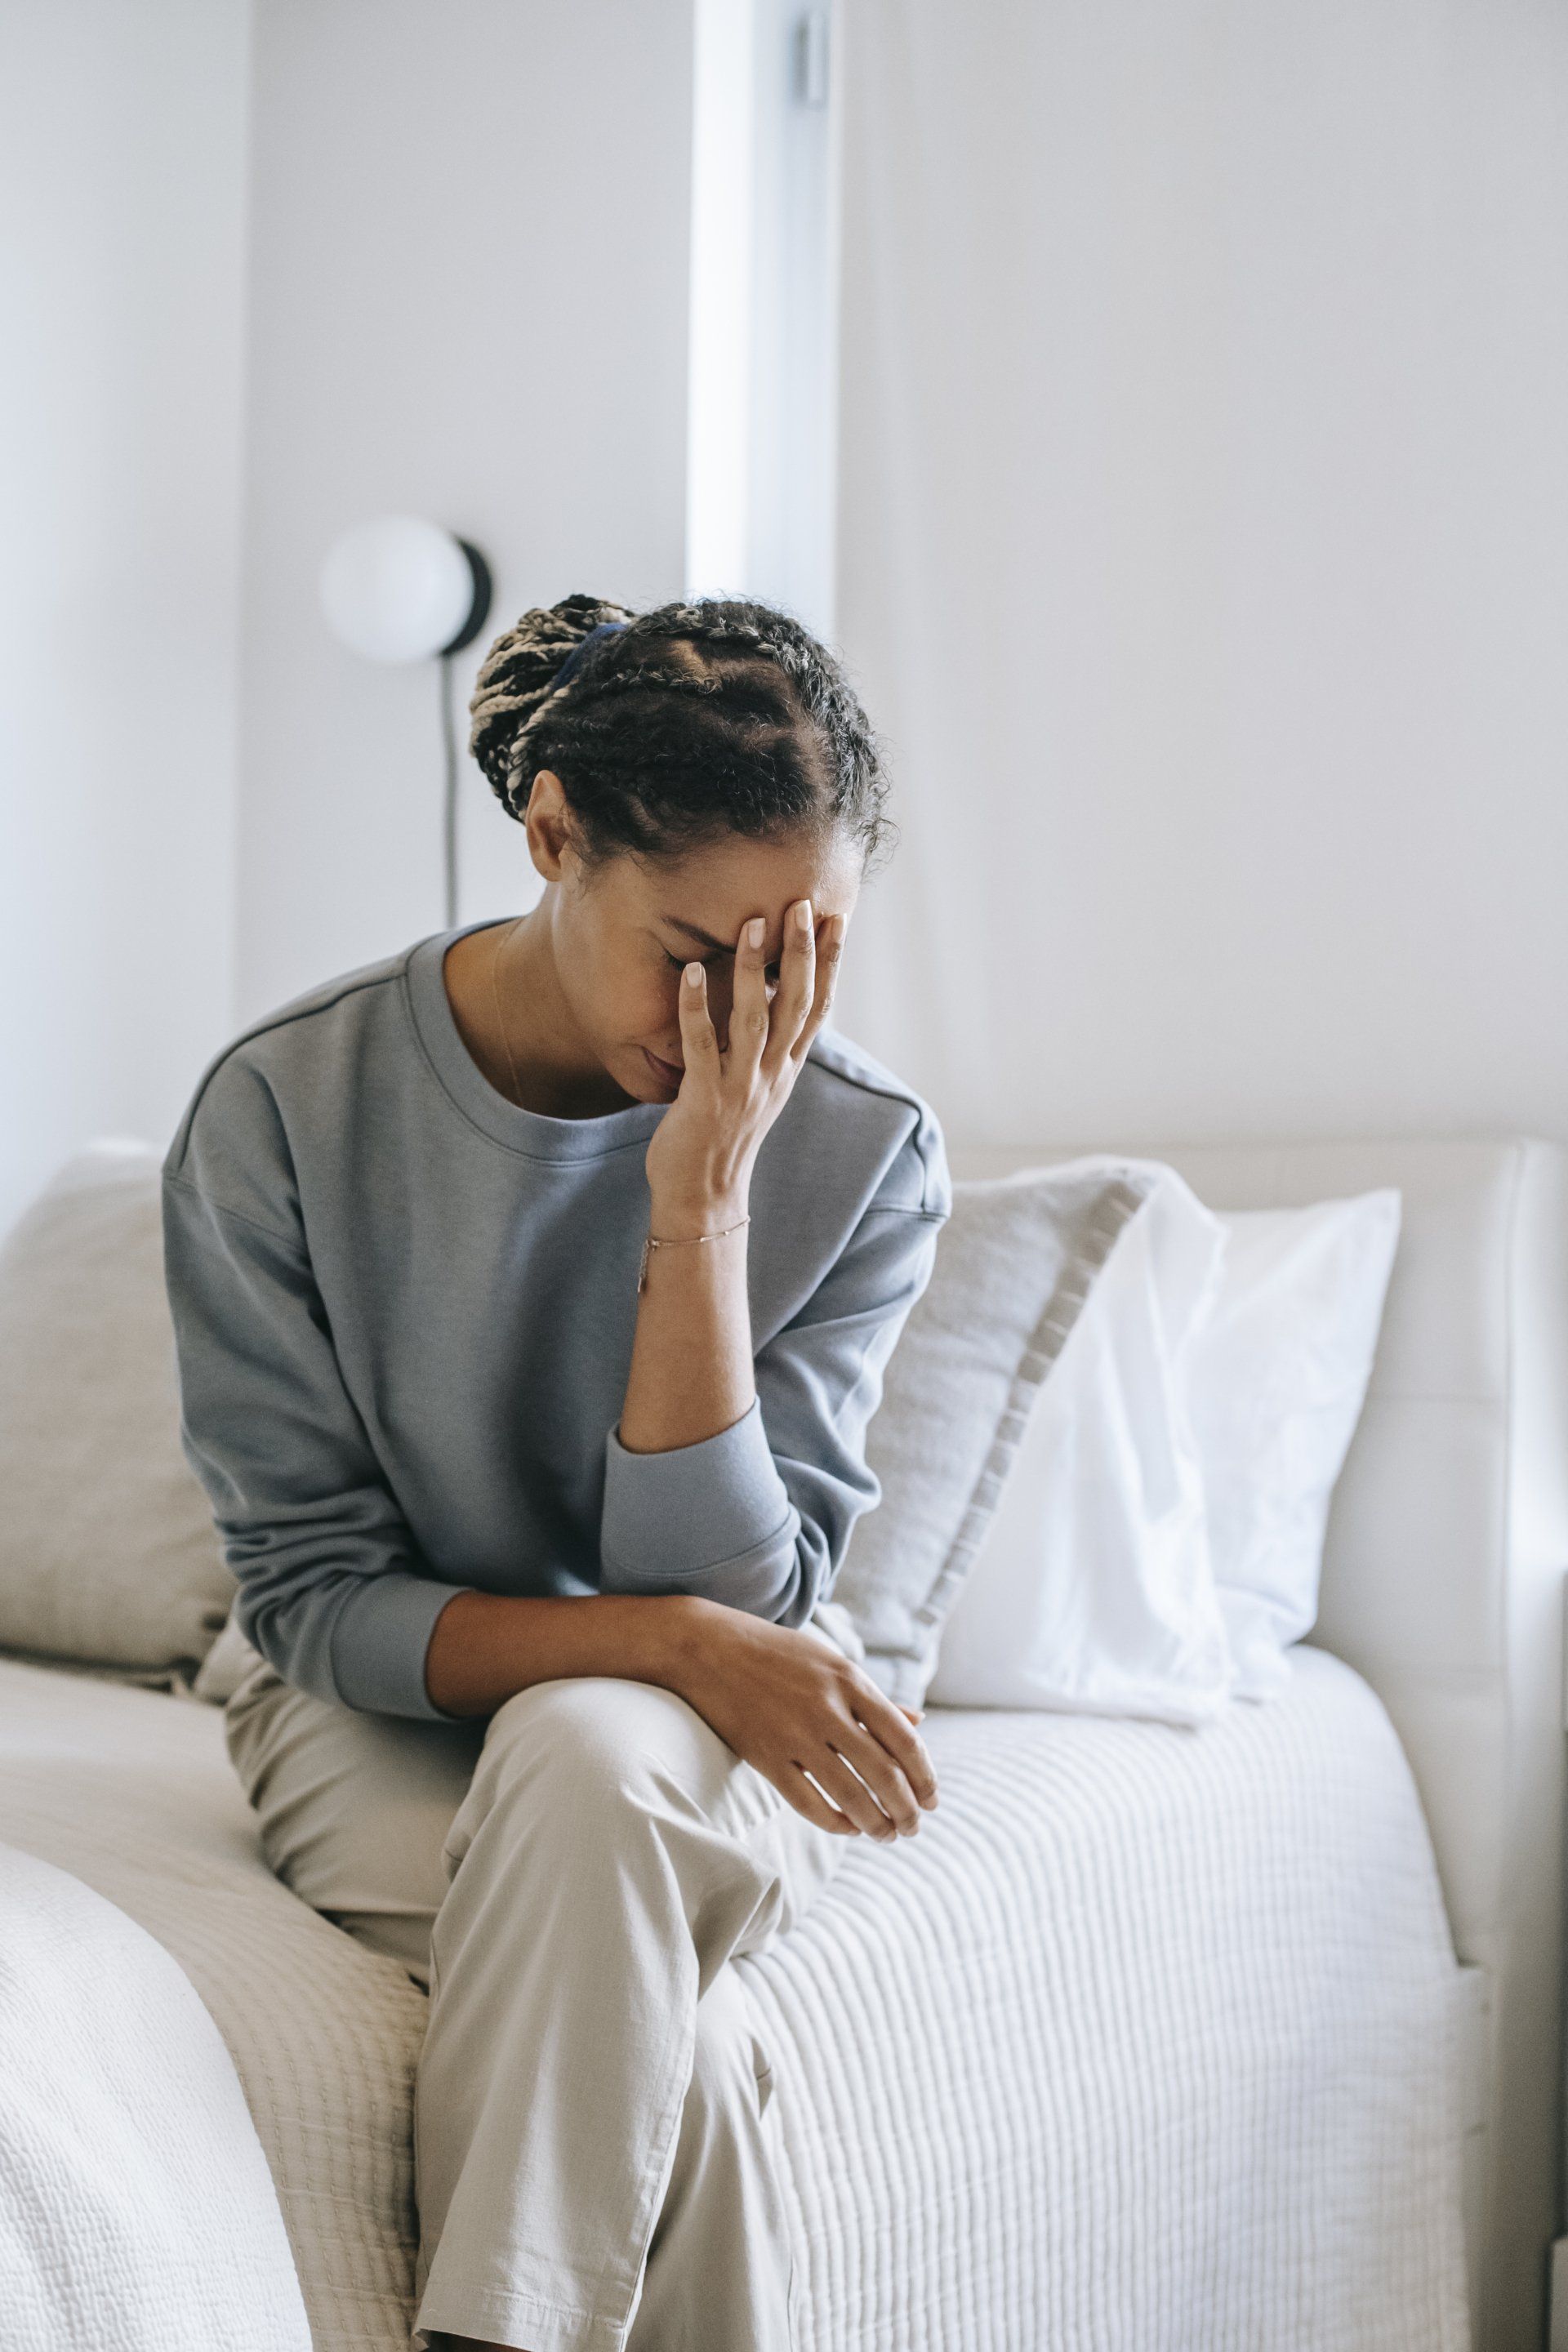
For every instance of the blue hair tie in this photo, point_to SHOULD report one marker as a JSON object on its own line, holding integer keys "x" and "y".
{"x": 578, "y": 655}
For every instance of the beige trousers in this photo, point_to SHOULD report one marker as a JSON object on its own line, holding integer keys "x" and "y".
{"x": 594, "y": 2160}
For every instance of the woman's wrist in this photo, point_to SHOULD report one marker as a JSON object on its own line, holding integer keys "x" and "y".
{"x": 674, "y": 1633}
{"x": 682, "y": 1217}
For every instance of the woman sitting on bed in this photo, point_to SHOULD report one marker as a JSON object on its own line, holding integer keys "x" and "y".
{"x": 533, "y": 1289}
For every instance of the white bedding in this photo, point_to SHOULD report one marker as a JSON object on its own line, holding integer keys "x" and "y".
{"x": 1150, "y": 2041}
{"x": 133, "y": 1790}
{"x": 136, "y": 2208}
{"x": 1153, "y": 2047}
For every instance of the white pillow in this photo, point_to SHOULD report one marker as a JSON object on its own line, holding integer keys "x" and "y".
{"x": 1095, "y": 1588}
{"x": 1274, "y": 1389}
{"x": 1013, "y": 1267}
{"x": 1092, "y": 1590}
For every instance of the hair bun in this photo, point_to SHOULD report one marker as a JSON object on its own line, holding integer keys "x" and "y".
{"x": 516, "y": 680}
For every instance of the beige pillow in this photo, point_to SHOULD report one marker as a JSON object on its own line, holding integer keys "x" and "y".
{"x": 1015, "y": 1264}
{"x": 108, "y": 1552}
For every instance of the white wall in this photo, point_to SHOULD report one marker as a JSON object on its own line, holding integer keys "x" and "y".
{"x": 468, "y": 275}
{"x": 1205, "y": 551}
{"x": 122, "y": 185}
{"x": 1203, "y": 526}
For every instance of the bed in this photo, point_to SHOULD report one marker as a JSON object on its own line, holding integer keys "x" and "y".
{"x": 1154, "y": 2038}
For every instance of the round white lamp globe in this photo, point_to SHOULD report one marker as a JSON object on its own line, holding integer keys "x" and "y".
{"x": 403, "y": 590}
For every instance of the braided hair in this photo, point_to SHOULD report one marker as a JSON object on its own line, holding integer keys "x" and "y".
{"x": 677, "y": 726}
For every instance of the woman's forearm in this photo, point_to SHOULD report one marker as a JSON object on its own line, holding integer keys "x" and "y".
{"x": 690, "y": 1373}
{"x": 774, "y": 1697}
{"x": 486, "y": 1645}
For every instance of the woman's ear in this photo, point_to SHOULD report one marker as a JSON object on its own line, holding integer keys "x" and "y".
{"x": 548, "y": 822}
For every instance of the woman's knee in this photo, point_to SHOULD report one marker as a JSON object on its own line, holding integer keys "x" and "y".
{"x": 579, "y": 1761}
{"x": 600, "y": 1731}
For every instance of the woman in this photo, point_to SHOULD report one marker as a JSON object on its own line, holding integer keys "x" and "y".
{"x": 532, "y": 1291}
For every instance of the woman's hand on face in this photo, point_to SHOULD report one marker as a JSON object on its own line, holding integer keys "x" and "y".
{"x": 703, "y": 1153}
{"x": 790, "y": 1704}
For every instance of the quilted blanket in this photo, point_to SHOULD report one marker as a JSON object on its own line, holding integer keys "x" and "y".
{"x": 1149, "y": 2042}
{"x": 137, "y": 2211}
{"x": 1154, "y": 2047}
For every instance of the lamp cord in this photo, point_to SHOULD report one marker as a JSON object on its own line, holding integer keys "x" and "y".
{"x": 450, "y": 812}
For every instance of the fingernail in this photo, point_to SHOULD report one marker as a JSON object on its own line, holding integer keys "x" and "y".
{"x": 803, "y": 915}
{"x": 754, "y": 932}
{"x": 693, "y": 975}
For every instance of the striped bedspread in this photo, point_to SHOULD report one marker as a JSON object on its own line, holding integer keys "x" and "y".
{"x": 1152, "y": 2046}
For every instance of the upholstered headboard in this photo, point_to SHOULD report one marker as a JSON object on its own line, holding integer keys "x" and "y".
{"x": 1443, "y": 1586}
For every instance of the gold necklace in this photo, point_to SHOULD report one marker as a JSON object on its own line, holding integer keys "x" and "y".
{"x": 500, "y": 1022}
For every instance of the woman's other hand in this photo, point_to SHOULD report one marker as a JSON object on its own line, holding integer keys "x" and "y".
{"x": 792, "y": 1703}
{"x": 703, "y": 1153}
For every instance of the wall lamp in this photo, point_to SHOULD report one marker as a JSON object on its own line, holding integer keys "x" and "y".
{"x": 400, "y": 589}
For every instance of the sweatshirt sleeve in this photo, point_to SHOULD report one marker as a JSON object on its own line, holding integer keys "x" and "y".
{"x": 331, "y": 1589}
{"x": 758, "y": 1516}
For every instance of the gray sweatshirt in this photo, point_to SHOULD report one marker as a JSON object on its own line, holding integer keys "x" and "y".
{"x": 404, "y": 1310}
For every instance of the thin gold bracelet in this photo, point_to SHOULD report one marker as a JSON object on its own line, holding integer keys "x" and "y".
{"x": 676, "y": 1241}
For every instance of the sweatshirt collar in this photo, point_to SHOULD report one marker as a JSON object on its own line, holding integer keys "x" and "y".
{"x": 529, "y": 1132}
